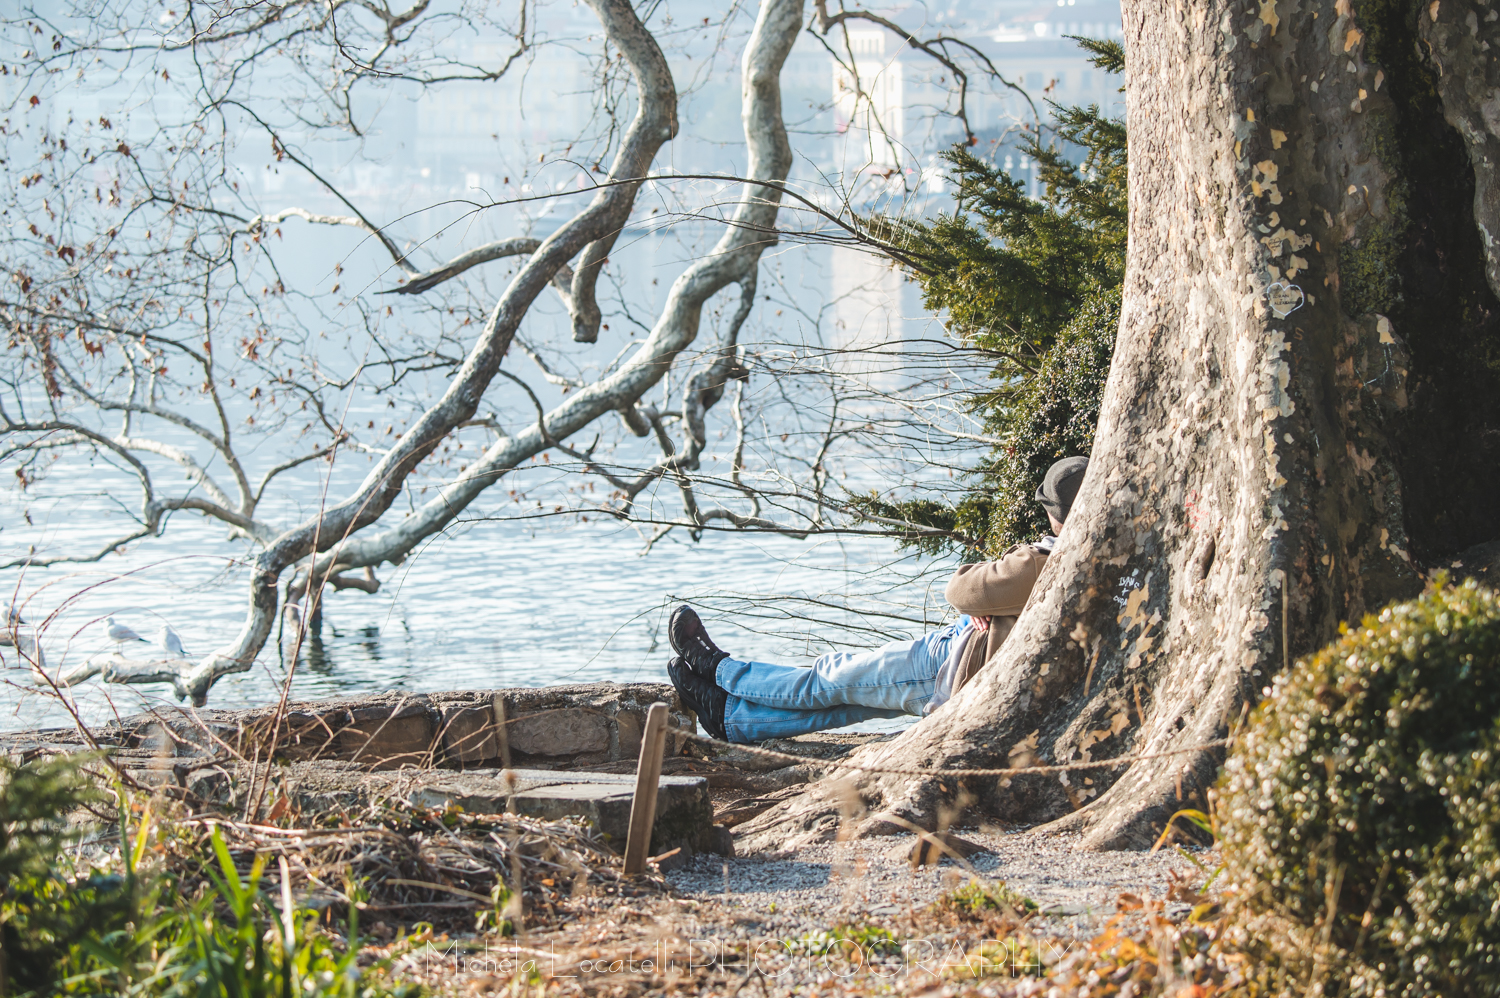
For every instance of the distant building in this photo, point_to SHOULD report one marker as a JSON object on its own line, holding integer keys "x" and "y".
{"x": 871, "y": 118}
{"x": 896, "y": 110}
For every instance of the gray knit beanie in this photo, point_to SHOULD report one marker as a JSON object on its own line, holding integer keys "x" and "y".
{"x": 1060, "y": 487}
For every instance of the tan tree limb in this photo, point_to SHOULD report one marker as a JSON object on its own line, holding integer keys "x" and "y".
{"x": 333, "y": 530}
{"x": 498, "y": 250}
{"x": 259, "y": 223}
{"x": 113, "y": 667}
{"x": 253, "y": 528}
{"x": 195, "y": 472}
{"x": 733, "y": 260}
{"x": 581, "y": 298}
{"x": 366, "y": 582}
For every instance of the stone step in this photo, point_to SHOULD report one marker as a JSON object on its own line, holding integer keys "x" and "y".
{"x": 684, "y": 811}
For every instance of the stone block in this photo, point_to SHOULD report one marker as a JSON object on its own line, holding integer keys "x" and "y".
{"x": 931, "y": 848}
{"x": 674, "y": 859}
{"x": 684, "y": 813}
{"x": 387, "y": 737}
{"x": 468, "y": 734}
{"x": 559, "y": 732}
{"x": 628, "y": 728}
{"x": 306, "y": 734}
{"x": 554, "y": 727}
{"x": 720, "y": 840}
{"x": 158, "y": 772}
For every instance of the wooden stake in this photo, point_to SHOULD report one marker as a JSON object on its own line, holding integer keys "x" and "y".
{"x": 647, "y": 779}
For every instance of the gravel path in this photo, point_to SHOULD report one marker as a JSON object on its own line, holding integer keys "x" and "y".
{"x": 777, "y": 912}
{"x": 825, "y": 885}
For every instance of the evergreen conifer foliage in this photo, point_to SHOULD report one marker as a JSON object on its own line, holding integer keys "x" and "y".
{"x": 1034, "y": 283}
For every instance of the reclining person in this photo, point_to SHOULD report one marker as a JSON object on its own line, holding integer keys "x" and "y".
{"x": 742, "y": 701}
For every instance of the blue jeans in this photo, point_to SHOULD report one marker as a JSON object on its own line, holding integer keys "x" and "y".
{"x": 778, "y": 701}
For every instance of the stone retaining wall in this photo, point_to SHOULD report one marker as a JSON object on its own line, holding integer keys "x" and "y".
{"x": 338, "y": 755}
{"x": 554, "y": 727}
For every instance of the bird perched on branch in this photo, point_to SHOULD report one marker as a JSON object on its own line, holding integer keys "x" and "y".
{"x": 171, "y": 641}
{"x": 121, "y": 634}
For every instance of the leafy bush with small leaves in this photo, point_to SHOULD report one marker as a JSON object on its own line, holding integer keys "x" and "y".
{"x": 1049, "y": 416}
{"x": 1052, "y": 415}
{"x": 1361, "y": 805}
{"x": 1012, "y": 956}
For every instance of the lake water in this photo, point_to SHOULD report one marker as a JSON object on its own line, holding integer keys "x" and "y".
{"x": 499, "y": 600}
{"x": 508, "y": 596}
{"x": 488, "y": 604}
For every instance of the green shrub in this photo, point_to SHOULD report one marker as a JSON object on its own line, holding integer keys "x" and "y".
{"x": 1048, "y": 416}
{"x": 1361, "y": 806}
{"x": 47, "y": 907}
{"x": 71, "y": 924}
{"x": 848, "y": 939}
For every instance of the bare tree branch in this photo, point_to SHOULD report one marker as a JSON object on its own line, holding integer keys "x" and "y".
{"x": 935, "y": 48}
{"x": 286, "y": 466}
{"x": 654, "y": 124}
{"x": 497, "y": 250}
{"x": 125, "y": 323}
{"x": 733, "y": 260}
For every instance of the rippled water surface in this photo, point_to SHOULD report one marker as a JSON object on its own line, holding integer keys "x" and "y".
{"x": 495, "y": 601}
{"x": 492, "y": 603}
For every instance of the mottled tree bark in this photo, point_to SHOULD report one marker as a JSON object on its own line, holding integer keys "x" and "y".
{"x": 1301, "y": 413}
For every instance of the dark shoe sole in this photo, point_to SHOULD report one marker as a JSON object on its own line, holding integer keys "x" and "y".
{"x": 689, "y": 639}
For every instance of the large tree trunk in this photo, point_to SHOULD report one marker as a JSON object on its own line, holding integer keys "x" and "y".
{"x": 1258, "y": 477}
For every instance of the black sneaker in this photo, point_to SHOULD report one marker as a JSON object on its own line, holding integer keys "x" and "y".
{"x": 703, "y": 697}
{"x": 690, "y": 639}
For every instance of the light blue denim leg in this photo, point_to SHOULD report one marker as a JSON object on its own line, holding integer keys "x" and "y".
{"x": 752, "y": 722}
{"x": 897, "y": 677}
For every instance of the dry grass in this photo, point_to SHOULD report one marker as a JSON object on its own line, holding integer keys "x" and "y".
{"x": 399, "y": 866}
{"x": 667, "y": 947}
{"x": 472, "y": 904}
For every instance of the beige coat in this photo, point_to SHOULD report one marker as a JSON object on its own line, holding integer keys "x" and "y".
{"x": 997, "y": 590}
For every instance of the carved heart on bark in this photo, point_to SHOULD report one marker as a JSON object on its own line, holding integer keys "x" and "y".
{"x": 1284, "y": 298}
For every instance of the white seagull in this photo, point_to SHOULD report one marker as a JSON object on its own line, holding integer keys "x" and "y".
{"x": 120, "y": 634}
{"x": 171, "y": 641}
